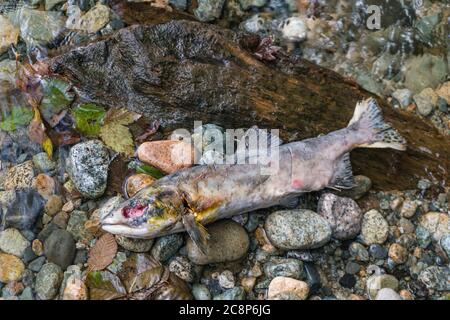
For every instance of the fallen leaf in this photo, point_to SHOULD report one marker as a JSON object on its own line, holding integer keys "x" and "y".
{"x": 19, "y": 116}
{"x": 103, "y": 252}
{"x": 56, "y": 97}
{"x": 114, "y": 132}
{"x": 103, "y": 285}
{"x": 47, "y": 145}
{"x": 88, "y": 118}
{"x": 151, "y": 171}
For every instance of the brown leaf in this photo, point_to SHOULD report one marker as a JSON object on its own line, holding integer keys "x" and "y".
{"x": 103, "y": 252}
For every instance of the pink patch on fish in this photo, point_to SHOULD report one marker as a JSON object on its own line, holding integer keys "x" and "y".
{"x": 133, "y": 212}
{"x": 296, "y": 183}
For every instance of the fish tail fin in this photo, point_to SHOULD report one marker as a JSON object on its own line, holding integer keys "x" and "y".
{"x": 368, "y": 117}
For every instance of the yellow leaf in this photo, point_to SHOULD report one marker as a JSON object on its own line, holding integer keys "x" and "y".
{"x": 48, "y": 146}
{"x": 118, "y": 137}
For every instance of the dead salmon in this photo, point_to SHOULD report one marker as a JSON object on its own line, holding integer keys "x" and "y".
{"x": 191, "y": 198}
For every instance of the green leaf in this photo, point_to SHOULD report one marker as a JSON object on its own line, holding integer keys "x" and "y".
{"x": 152, "y": 171}
{"x": 19, "y": 116}
{"x": 88, "y": 118}
{"x": 56, "y": 97}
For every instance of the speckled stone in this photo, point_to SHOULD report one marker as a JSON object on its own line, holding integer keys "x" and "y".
{"x": 134, "y": 245}
{"x": 48, "y": 281}
{"x": 297, "y": 229}
{"x": 343, "y": 215}
{"x": 374, "y": 228}
{"x": 13, "y": 242}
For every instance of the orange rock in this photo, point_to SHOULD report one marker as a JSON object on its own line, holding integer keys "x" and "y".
{"x": 406, "y": 295}
{"x": 11, "y": 268}
{"x": 398, "y": 253}
{"x": 75, "y": 289}
{"x": 37, "y": 247}
{"x": 137, "y": 182}
{"x": 45, "y": 185}
{"x": 248, "y": 283}
{"x": 167, "y": 155}
{"x": 281, "y": 286}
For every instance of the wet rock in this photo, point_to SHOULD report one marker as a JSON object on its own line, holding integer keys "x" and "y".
{"x": 134, "y": 245}
{"x": 81, "y": 257}
{"x": 48, "y": 281}
{"x": 228, "y": 242}
{"x": 445, "y": 244}
{"x": 424, "y": 104}
{"x": 362, "y": 186}
{"x": 19, "y": 176}
{"x": 378, "y": 252}
{"x": 53, "y": 205}
{"x": 36, "y": 264}
{"x": 282, "y": 267}
{"x": 183, "y": 268}
{"x": 92, "y": 21}
{"x": 87, "y": 166}
{"x": 237, "y": 293}
{"x": 347, "y": 281}
{"x": 38, "y": 26}
{"x": 7, "y": 74}
{"x": 444, "y": 91}
{"x": 137, "y": 182}
{"x": 281, "y": 288}
{"x": 297, "y": 229}
{"x": 358, "y": 252}
{"x": 167, "y": 155}
{"x": 179, "y": 4}
{"x": 27, "y": 294}
{"x": 73, "y": 286}
{"x": 226, "y": 279}
{"x": 11, "y": 268}
{"x": 201, "y": 292}
{"x": 294, "y": 29}
{"x": 343, "y": 215}
{"x": 49, "y": 4}
{"x": 118, "y": 261}
{"x": 437, "y": 224}
{"x": 423, "y": 236}
{"x": 247, "y": 4}
{"x": 75, "y": 226}
{"x": 43, "y": 163}
{"x": 165, "y": 247}
{"x": 426, "y": 71}
{"x": 436, "y": 278}
{"x": 13, "y": 242}
{"x": 209, "y": 10}
{"x": 398, "y": 253}
{"x": 59, "y": 248}
{"x": 409, "y": 208}
{"x": 376, "y": 282}
{"x": 403, "y": 96}
{"x": 44, "y": 185}
{"x": 61, "y": 219}
{"x": 374, "y": 228}
{"x": 8, "y": 33}
{"x": 387, "y": 294}
{"x": 352, "y": 267}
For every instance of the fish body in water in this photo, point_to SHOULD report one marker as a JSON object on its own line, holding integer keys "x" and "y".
{"x": 191, "y": 198}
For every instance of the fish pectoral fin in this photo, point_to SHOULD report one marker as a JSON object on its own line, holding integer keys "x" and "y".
{"x": 196, "y": 231}
{"x": 343, "y": 176}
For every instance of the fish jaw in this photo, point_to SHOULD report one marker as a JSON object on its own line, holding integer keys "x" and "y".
{"x": 139, "y": 217}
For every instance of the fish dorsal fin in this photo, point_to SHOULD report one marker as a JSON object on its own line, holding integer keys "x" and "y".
{"x": 196, "y": 231}
{"x": 343, "y": 175}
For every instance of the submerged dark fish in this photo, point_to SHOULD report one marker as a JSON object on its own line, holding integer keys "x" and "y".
{"x": 191, "y": 198}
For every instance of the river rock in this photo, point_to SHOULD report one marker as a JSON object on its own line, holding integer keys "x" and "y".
{"x": 11, "y": 268}
{"x": 398, "y": 253}
{"x": 444, "y": 91}
{"x": 281, "y": 288}
{"x": 343, "y": 215}
{"x": 134, "y": 245}
{"x": 43, "y": 163}
{"x": 294, "y": 29}
{"x": 436, "y": 223}
{"x": 92, "y": 21}
{"x": 19, "y": 176}
{"x": 8, "y": 33}
{"x": 436, "y": 278}
{"x": 236, "y": 293}
{"x": 25, "y": 207}
{"x": 48, "y": 281}
{"x": 8, "y": 72}
{"x": 374, "y": 228}
{"x": 376, "y": 282}
{"x": 403, "y": 96}
{"x": 167, "y": 155}
{"x": 165, "y": 247}
{"x": 209, "y": 10}
{"x": 60, "y": 248}
{"x": 426, "y": 71}
{"x": 424, "y": 104}
{"x": 297, "y": 229}
{"x": 76, "y": 226}
{"x": 183, "y": 268}
{"x": 49, "y": 4}
{"x": 201, "y": 292}
{"x": 13, "y": 242}
{"x": 387, "y": 294}
{"x": 228, "y": 242}
{"x": 53, "y": 205}
{"x": 87, "y": 166}
{"x": 284, "y": 267}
